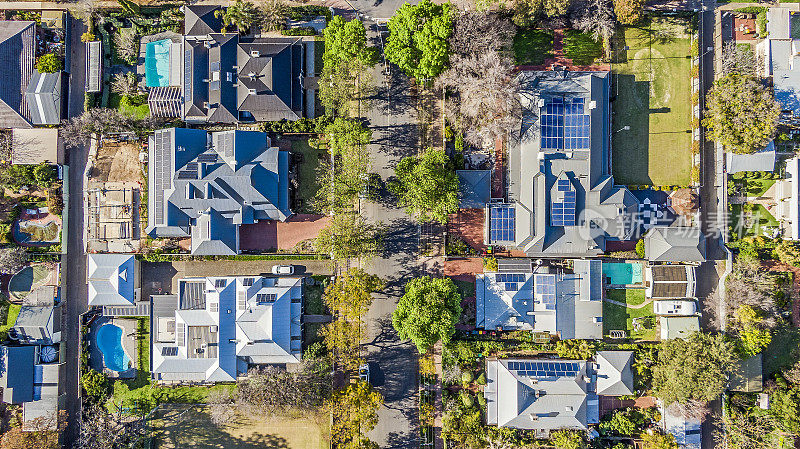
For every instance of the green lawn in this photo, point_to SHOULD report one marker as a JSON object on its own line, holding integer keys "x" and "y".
{"x": 653, "y": 91}
{"x": 308, "y": 181}
{"x": 616, "y": 317}
{"x": 8, "y": 316}
{"x": 581, "y": 47}
{"x": 782, "y": 352}
{"x": 532, "y": 47}
{"x": 752, "y": 186}
{"x": 137, "y": 107}
{"x": 313, "y": 296}
{"x": 761, "y": 218}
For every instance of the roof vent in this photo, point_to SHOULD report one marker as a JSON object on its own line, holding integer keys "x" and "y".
{"x": 181, "y": 148}
{"x": 534, "y": 417}
{"x": 255, "y": 53}
{"x": 592, "y": 104}
{"x": 251, "y": 91}
{"x": 207, "y": 44}
{"x": 568, "y": 408}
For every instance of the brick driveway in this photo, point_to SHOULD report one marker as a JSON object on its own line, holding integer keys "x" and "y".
{"x": 268, "y": 236}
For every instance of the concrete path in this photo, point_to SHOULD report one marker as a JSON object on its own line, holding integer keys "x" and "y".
{"x": 623, "y": 304}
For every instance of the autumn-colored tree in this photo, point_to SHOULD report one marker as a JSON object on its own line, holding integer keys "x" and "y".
{"x": 629, "y": 12}
{"x": 355, "y": 412}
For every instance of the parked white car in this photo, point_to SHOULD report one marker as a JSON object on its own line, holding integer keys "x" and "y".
{"x": 680, "y": 307}
{"x": 283, "y": 269}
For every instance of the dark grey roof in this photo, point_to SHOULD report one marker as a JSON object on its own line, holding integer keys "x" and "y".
{"x": 474, "y": 188}
{"x": 675, "y": 244}
{"x": 44, "y": 98}
{"x": 669, "y": 273}
{"x": 603, "y": 210}
{"x": 35, "y": 324}
{"x": 17, "y": 57}
{"x": 16, "y": 373}
{"x": 200, "y": 20}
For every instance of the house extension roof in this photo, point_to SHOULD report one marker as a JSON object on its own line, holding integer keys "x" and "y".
{"x": 111, "y": 279}
{"x": 16, "y": 373}
{"x": 35, "y": 145}
{"x": 17, "y": 57}
{"x": 474, "y": 188}
{"x": 44, "y": 98}
{"x": 201, "y": 19}
{"x": 615, "y": 377}
{"x": 763, "y": 160}
{"x": 675, "y": 244}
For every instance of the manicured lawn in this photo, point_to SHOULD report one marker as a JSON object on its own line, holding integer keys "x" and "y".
{"x": 760, "y": 219}
{"x": 177, "y": 427}
{"x": 148, "y": 396}
{"x": 532, "y": 47}
{"x": 8, "y": 316}
{"x": 753, "y": 186}
{"x": 308, "y": 180}
{"x": 581, "y": 47}
{"x": 617, "y": 317}
{"x": 139, "y": 111}
{"x": 653, "y": 91}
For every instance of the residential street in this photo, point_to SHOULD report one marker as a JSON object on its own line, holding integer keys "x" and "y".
{"x": 393, "y": 364}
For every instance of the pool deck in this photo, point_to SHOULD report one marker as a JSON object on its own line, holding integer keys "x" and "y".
{"x": 128, "y": 344}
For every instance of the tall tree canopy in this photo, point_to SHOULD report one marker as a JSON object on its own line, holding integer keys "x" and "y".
{"x": 428, "y": 311}
{"x": 629, "y": 12}
{"x": 349, "y": 235}
{"x": 351, "y": 294}
{"x": 693, "y": 369}
{"x": 427, "y": 185}
{"x": 417, "y": 40}
{"x": 345, "y": 41}
{"x": 741, "y": 113}
{"x": 355, "y": 412}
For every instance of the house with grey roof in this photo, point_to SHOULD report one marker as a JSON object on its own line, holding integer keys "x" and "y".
{"x": 551, "y": 394}
{"x": 28, "y": 377}
{"x": 227, "y": 78}
{"x": 562, "y": 199}
{"x": 215, "y": 328}
{"x": 37, "y": 325}
{"x": 763, "y": 160}
{"x": 675, "y": 244}
{"x": 114, "y": 285}
{"x": 203, "y": 185}
{"x": 474, "y": 188}
{"x": 17, "y": 57}
{"x": 44, "y": 98}
{"x": 678, "y": 326}
{"x": 563, "y": 303}
{"x": 781, "y": 52}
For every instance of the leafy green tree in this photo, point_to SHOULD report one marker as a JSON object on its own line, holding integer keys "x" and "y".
{"x": 464, "y": 426}
{"x": 659, "y": 441}
{"x": 417, "y": 41}
{"x": 741, "y": 113}
{"x": 349, "y": 236}
{"x": 346, "y": 58}
{"x": 428, "y": 311}
{"x": 350, "y": 295}
{"x": 695, "y": 368}
{"x": 629, "y": 12}
{"x": 568, "y": 439}
{"x": 576, "y": 349}
{"x": 752, "y": 337}
{"x": 621, "y": 423}
{"x": 784, "y": 407}
{"x": 427, "y": 186}
{"x": 640, "y": 249}
{"x": 355, "y": 412}
{"x": 49, "y": 63}
{"x": 95, "y": 385}
{"x": 241, "y": 14}
{"x": 346, "y": 41}
{"x": 346, "y": 177}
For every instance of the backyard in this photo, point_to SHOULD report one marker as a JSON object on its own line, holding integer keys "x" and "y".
{"x": 8, "y": 316}
{"x": 619, "y": 317}
{"x": 135, "y": 106}
{"x": 652, "y": 86}
{"x": 750, "y": 183}
{"x": 750, "y": 220}
{"x": 307, "y": 178}
{"x": 532, "y": 47}
{"x": 181, "y": 427}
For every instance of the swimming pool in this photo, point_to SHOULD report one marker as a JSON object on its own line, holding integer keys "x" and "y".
{"x": 109, "y": 341}
{"x": 622, "y": 273}
{"x": 156, "y": 63}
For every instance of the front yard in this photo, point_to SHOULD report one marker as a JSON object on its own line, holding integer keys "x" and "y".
{"x": 532, "y": 47}
{"x": 653, "y": 90}
{"x": 618, "y": 317}
{"x": 751, "y": 220}
{"x": 307, "y": 177}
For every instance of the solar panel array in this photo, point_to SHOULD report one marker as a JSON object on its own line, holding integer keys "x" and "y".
{"x": 162, "y": 155}
{"x": 545, "y": 290}
{"x": 94, "y": 63}
{"x": 511, "y": 281}
{"x": 562, "y": 211}
{"x": 564, "y": 124}
{"x": 188, "y": 74}
{"x": 545, "y": 369}
{"x": 502, "y": 223}
{"x": 210, "y": 158}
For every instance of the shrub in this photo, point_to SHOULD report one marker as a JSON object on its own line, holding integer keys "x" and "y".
{"x": 300, "y": 31}
{"x": 466, "y": 399}
{"x": 481, "y": 380}
{"x": 95, "y": 385}
{"x": 55, "y": 201}
{"x": 481, "y": 401}
{"x": 640, "y": 248}
{"x": 49, "y": 63}
{"x": 490, "y": 264}
{"x": 88, "y": 37}
{"x": 467, "y": 377}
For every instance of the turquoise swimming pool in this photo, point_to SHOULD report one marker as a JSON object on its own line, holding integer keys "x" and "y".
{"x": 622, "y": 273}
{"x": 156, "y": 63}
{"x": 109, "y": 341}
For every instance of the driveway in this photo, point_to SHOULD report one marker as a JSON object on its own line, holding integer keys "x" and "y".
{"x": 392, "y": 120}
{"x": 77, "y": 68}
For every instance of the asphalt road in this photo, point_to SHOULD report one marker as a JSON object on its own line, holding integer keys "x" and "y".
{"x": 73, "y": 278}
{"x": 393, "y": 363}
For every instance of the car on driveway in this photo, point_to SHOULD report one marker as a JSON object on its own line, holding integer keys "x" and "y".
{"x": 675, "y": 307}
{"x": 283, "y": 269}
{"x": 363, "y": 372}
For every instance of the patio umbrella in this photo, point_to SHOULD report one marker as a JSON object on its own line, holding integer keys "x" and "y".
{"x": 684, "y": 201}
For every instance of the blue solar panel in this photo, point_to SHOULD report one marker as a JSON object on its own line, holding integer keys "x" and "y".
{"x": 563, "y": 205}
{"x": 564, "y": 124}
{"x": 502, "y": 221}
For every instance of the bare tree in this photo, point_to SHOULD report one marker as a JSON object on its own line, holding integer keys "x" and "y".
{"x": 127, "y": 45}
{"x": 691, "y": 409}
{"x": 793, "y": 374}
{"x": 86, "y": 9}
{"x": 12, "y": 259}
{"x": 273, "y": 14}
{"x": 740, "y": 59}
{"x": 125, "y": 84}
{"x": 480, "y": 31}
{"x": 5, "y": 145}
{"x": 596, "y": 17}
{"x": 271, "y": 390}
{"x": 752, "y": 285}
{"x": 77, "y": 130}
{"x": 746, "y": 431}
{"x": 102, "y": 430}
{"x": 221, "y": 406}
